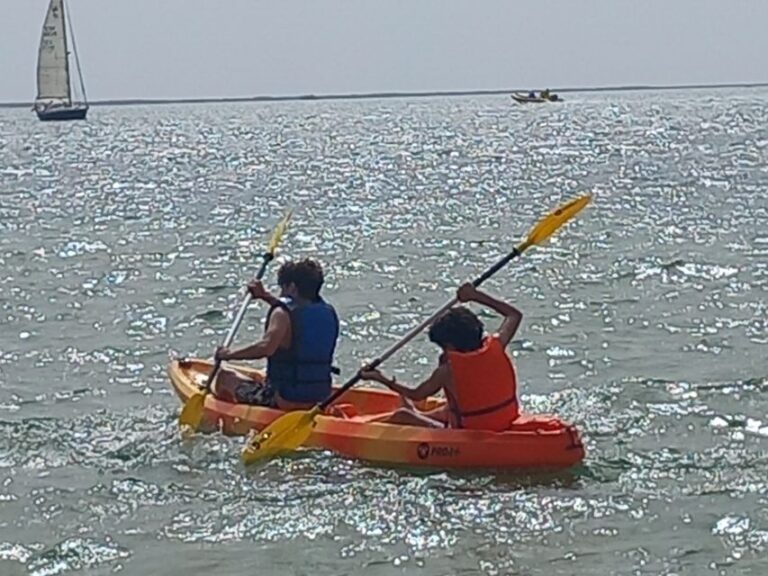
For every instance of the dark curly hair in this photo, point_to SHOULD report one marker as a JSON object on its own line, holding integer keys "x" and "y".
{"x": 306, "y": 274}
{"x": 458, "y": 327}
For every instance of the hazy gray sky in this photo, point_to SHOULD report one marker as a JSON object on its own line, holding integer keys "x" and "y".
{"x": 213, "y": 48}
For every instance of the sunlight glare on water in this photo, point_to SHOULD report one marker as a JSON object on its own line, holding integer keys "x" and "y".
{"x": 125, "y": 241}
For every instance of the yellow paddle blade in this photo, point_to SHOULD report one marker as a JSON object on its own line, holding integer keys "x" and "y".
{"x": 554, "y": 220}
{"x": 277, "y": 235}
{"x": 192, "y": 413}
{"x": 285, "y": 434}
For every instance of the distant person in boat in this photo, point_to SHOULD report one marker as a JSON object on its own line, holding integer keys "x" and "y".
{"x": 531, "y": 94}
{"x": 474, "y": 371}
{"x": 299, "y": 343}
{"x": 545, "y": 94}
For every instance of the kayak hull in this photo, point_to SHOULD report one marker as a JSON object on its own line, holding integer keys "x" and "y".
{"x": 525, "y": 99}
{"x": 533, "y": 442}
{"x": 62, "y": 114}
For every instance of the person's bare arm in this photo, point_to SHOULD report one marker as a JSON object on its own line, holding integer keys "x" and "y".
{"x": 512, "y": 316}
{"x": 275, "y": 334}
{"x": 432, "y": 385}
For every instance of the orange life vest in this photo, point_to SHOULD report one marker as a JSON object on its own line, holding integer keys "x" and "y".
{"x": 485, "y": 387}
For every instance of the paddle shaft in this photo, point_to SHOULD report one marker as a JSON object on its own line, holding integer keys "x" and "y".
{"x": 417, "y": 330}
{"x": 267, "y": 258}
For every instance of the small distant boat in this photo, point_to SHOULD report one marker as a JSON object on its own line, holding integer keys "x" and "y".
{"x": 54, "y": 89}
{"x": 540, "y": 99}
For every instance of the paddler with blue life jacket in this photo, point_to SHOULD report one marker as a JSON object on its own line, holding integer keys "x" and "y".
{"x": 474, "y": 371}
{"x": 299, "y": 343}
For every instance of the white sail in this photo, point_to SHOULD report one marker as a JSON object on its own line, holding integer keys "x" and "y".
{"x": 52, "y": 62}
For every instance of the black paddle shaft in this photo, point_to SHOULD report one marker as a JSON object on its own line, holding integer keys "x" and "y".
{"x": 496, "y": 267}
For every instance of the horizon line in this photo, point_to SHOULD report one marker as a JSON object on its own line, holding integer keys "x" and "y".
{"x": 394, "y": 94}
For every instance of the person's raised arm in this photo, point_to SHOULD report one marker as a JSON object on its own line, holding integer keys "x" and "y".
{"x": 512, "y": 316}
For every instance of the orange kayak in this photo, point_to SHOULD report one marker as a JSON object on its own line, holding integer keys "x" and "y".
{"x": 533, "y": 441}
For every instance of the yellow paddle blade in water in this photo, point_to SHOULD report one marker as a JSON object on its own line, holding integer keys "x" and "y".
{"x": 554, "y": 220}
{"x": 192, "y": 413}
{"x": 277, "y": 235}
{"x": 285, "y": 434}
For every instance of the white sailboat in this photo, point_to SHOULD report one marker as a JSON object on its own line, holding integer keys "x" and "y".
{"x": 54, "y": 88}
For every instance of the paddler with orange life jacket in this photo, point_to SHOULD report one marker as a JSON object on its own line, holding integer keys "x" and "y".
{"x": 474, "y": 371}
{"x": 299, "y": 342}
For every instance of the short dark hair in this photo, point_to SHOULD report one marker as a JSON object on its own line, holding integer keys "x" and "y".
{"x": 458, "y": 327}
{"x": 306, "y": 274}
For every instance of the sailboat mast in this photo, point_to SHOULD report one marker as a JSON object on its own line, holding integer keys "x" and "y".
{"x": 66, "y": 52}
{"x": 77, "y": 59}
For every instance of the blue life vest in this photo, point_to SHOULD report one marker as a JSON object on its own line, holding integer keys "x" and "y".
{"x": 302, "y": 373}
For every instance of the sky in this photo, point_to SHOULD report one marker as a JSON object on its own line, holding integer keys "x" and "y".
{"x": 232, "y": 48}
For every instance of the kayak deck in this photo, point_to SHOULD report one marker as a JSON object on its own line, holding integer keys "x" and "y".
{"x": 525, "y": 99}
{"x": 533, "y": 441}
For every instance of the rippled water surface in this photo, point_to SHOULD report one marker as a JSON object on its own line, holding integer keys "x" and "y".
{"x": 124, "y": 241}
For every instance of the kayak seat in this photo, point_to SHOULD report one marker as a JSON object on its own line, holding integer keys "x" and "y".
{"x": 345, "y": 410}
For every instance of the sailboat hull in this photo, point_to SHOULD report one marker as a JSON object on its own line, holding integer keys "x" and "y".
{"x": 63, "y": 114}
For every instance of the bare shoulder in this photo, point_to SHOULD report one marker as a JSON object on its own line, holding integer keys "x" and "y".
{"x": 442, "y": 379}
{"x": 442, "y": 373}
{"x": 279, "y": 319}
{"x": 280, "y": 314}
